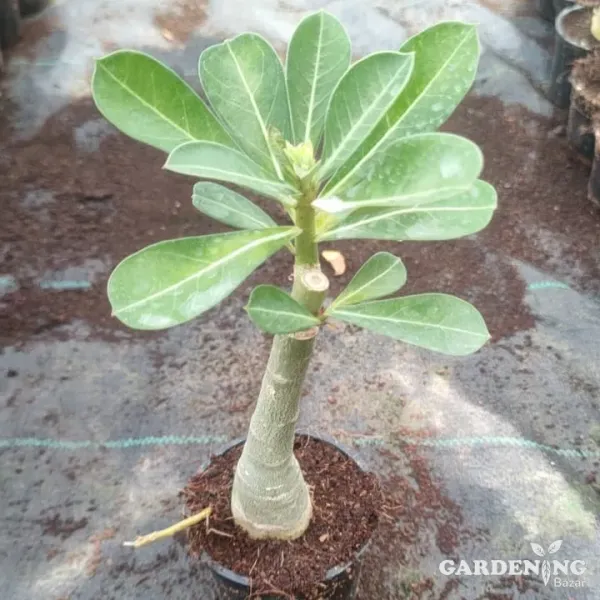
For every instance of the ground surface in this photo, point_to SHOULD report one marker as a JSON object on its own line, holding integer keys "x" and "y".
{"x": 100, "y": 426}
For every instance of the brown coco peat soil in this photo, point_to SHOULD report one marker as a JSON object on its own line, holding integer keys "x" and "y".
{"x": 576, "y": 27}
{"x": 585, "y": 77}
{"x": 346, "y": 504}
{"x": 105, "y": 204}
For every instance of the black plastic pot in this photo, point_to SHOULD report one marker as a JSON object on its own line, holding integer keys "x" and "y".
{"x": 10, "y": 23}
{"x": 594, "y": 181}
{"x": 548, "y": 9}
{"x": 580, "y": 132}
{"x": 31, "y": 7}
{"x": 568, "y": 49}
{"x": 340, "y": 582}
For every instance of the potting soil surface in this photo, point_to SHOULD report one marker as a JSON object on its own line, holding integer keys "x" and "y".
{"x": 102, "y": 426}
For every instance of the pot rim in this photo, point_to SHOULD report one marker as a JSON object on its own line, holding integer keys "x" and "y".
{"x": 334, "y": 571}
{"x": 560, "y": 29}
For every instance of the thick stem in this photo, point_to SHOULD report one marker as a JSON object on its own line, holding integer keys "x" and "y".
{"x": 270, "y": 498}
{"x": 307, "y": 252}
{"x": 310, "y": 287}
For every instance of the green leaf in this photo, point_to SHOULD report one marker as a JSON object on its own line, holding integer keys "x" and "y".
{"x": 382, "y": 275}
{"x": 274, "y": 311}
{"x": 228, "y": 207}
{"x": 244, "y": 82}
{"x": 415, "y": 170}
{"x": 150, "y": 103}
{"x": 446, "y": 59}
{"x": 460, "y": 215}
{"x": 363, "y": 95}
{"x": 171, "y": 282}
{"x": 318, "y": 55}
{"x": 437, "y": 322}
{"x": 213, "y": 161}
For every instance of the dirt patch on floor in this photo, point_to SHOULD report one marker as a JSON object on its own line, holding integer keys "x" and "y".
{"x": 101, "y": 205}
{"x": 510, "y": 8}
{"x": 63, "y": 528}
{"x": 418, "y": 523}
{"x": 182, "y": 19}
{"x": 415, "y": 509}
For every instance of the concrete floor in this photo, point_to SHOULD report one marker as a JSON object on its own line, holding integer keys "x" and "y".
{"x": 521, "y": 435}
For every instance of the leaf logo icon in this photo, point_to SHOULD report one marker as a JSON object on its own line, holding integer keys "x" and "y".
{"x": 538, "y": 549}
{"x": 546, "y": 572}
{"x": 552, "y": 549}
{"x": 554, "y": 546}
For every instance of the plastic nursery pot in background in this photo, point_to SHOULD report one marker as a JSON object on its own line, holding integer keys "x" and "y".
{"x": 573, "y": 40}
{"x": 548, "y": 9}
{"x": 579, "y": 127}
{"x": 340, "y": 582}
{"x": 580, "y": 131}
{"x": 594, "y": 181}
{"x": 10, "y": 23}
{"x": 31, "y": 7}
{"x": 11, "y": 12}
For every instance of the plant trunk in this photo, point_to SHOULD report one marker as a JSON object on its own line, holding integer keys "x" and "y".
{"x": 270, "y": 498}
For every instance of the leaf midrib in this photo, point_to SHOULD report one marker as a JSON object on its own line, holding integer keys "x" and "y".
{"x": 376, "y": 202}
{"x": 295, "y": 315}
{"x": 229, "y": 207}
{"x": 401, "y": 211}
{"x": 256, "y": 111}
{"x": 344, "y": 300}
{"x": 200, "y": 273}
{"x": 314, "y": 84}
{"x": 404, "y": 321}
{"x": 275, "y": 184}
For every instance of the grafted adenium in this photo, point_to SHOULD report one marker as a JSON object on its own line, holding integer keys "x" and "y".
{"x": 349, "y": 152}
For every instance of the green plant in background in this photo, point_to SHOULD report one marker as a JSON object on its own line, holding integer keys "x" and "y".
{"x": 596, "y": 23}
{"x": 349, "y": 152}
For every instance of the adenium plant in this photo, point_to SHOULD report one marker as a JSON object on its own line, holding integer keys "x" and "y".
{"x": 350, "y": 152}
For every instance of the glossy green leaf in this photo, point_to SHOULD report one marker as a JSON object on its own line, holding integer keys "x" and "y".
{"x": 244, "y": 81}
{"x": 318, "y": 55}
{"x": 446, "y": 59}
{"x": 274, "y": 311}
{"x": 229, "y": 207}
{"x": 460, "y": 215}
{"x": 415, "y": 170}
{"x": 437, "y": 322}
{"x": 150, "y": 103}
{"x": 174, "y": 281}
{"x": 382, "y": 275}
{"x": 364, "y": 94}
{"x": 213, "y": 161}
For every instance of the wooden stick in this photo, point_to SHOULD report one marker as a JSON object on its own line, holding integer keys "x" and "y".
{"x": 142, "y": 540}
